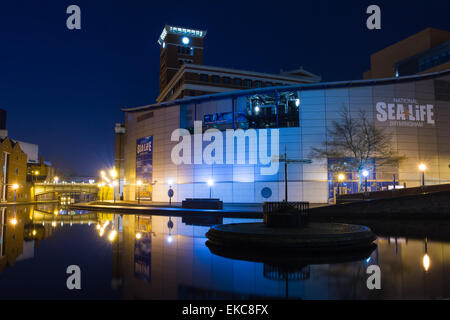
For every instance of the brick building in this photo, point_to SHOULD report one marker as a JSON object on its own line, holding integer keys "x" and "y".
{"x": 14, "y": 171}
{"x": 183, "y": 74}
{"x": 424, "y": 52}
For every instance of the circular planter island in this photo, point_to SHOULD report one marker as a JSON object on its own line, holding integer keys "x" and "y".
{"x": 313, "y": 237}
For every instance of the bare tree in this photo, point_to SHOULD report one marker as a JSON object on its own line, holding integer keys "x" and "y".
{"x": 355, "y": 142}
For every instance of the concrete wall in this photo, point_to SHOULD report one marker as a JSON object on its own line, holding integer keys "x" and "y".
{"x": 418, "y": 141}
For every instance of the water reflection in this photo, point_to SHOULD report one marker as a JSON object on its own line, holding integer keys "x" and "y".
{"x": 158, "y": 257}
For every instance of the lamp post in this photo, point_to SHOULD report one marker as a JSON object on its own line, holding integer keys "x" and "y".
{"x": 114, "y": 184}
{"x": 15, "y": 187}
{"x": 423, "y": 167}
{"x": 113, "y": 174}
{"x": 170, "y": 192}
{"x": 210, "y": 184}
{"x": 365, "y": 174}
{"x": 139, "y": 184}
{"x": 341, "y": 177}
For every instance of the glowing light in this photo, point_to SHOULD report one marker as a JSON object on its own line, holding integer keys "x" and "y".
{"x": 112, "y": 235}
{"x": 15, "y": 186}
{"x": 13, "y": 221}
{"x": 422, "y": 167}
{"x": 138, "y": 235}
{"x": 114, "y": 183}
{"x": 210, "y": 182}
{"x": 56, "y": 212}
{"x": 365, "y": 173}
{"x": 56, "y": 179}
{"x": 256, "y": 109}
{"x": 113, "y": 173}
{"x": 185, "y": 40}
{"x": 103, "y": 174}
{"x": 341, "y": 177}
{"x": 426, "y": 262}
{"x": 54, "y": 224}
{"x": 34, "y": 232}
{"x": 102, "y": 231}
{"x": 169, "y": 239}
{"x": 139, "y": 183}
{"x": 170, "y": 182}
{"x": 297, "y": 102}
{"x": 36, "y": 173}
{"x": 98, "y": 227}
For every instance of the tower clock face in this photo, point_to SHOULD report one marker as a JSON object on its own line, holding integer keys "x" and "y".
{"x": 185, "y": 40}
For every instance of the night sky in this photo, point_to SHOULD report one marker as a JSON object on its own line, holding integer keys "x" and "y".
{"x": 63, "y": 89}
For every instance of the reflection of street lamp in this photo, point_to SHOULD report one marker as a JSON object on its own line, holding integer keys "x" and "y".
{"x": 170, "y": 227}
{"x": 426, "y": 258}
{"x": 423, "y": 167}
{"x": 210, "y": 184}
{"x": 365, "y": 174}
{"x": 15, "y": 187}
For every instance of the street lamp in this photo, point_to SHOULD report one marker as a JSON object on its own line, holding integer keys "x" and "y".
{"x": 341, "y": 177}
{"x": 170, "y": 192}
{"x": 55, "y": 179}
{"x": 114, "y": 184}
{"x": 139, "y": 184}
{"x": 365, "y": 174}
{"x": 210, "y": 184}
{"x": 423, "y": 167}
{"x": 15, "y": 187}
{"x": 113, "y": 174}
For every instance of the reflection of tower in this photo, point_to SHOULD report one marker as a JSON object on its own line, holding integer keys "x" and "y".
{"x": 117, "y": 248}
{"x": 286, "y": 273}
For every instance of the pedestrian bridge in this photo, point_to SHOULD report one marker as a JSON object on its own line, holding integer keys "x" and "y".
{"x": 65, "y": 188}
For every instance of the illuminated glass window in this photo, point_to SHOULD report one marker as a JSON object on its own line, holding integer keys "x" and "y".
{"x": 272, "y": 110}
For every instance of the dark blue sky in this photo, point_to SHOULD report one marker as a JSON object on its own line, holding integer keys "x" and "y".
{"x": 64, "y": 89}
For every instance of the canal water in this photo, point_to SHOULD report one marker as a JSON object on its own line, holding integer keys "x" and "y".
{"x": 159, "y": 257}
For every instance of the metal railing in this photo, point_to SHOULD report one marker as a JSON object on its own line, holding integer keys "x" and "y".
{"x": 270, "y": 207}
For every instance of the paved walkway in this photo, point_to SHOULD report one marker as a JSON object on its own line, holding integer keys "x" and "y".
{"x": 160, "y": 208}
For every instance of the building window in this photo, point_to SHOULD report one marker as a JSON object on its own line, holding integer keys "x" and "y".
{"x": 238, "y": 82}
{"x": 215, "y": 79}
{"x": 269, "y": 84}
{"x": 248, "y": 83}
{"x": 17, "y": 171}
{"x": 226, "y": 80}
{"x": 269, "y": 110}
{"x": 258, "y": 84}
{"x": 204, "y": 77}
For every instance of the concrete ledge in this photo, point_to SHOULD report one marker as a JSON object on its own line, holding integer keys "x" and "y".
{"x": 167, "y": 211}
